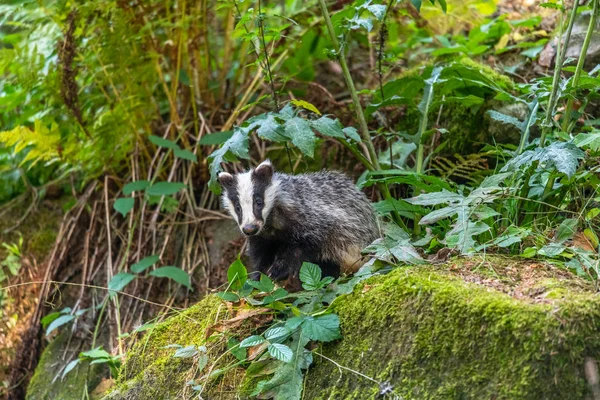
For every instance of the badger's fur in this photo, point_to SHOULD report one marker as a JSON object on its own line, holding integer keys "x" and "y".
{"x": 320, "y": 218}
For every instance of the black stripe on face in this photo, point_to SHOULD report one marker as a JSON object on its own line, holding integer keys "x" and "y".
{"x": 234, "y": 197}
{"x": 259, "y": 186}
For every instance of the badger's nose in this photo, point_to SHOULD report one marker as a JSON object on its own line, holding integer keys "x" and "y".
{"x": 250, "y": 229}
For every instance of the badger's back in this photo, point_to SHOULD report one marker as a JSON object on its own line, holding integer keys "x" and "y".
{"x": 326, "y": 210}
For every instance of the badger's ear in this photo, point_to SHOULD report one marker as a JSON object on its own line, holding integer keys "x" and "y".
{"x": 264, "y": 172}
{"x": 225, "y": 179}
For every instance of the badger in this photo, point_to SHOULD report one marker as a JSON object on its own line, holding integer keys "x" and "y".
{"x": 320, "y": 217}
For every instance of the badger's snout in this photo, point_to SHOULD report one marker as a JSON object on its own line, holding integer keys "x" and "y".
{"x": 250, "y": 229}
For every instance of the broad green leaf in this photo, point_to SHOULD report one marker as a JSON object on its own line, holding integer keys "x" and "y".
{"x": 215, "y": 138}
{"x": 136, "y": 186}
{"x": 277, "y": 334}
{"x": 169, "y": 144}
{"x": 302, "y": 136}
{"x": 324, "y": 328}
{"x": 562, "y": 156}
{"x": 185, "y": 154}
{"x": 505, "y": 119}
{"x": 165, "y": 188}
{"x": 270, "y": 129}
{"x": 49, "y": 318}
{"x": 228, "y": 296}
{"x": 552, "y": 250}
{"x": 352, "y": 133}
{"x": 234, "y": 346}
{"x": 144, "y": 263}
{"x": 58, "y": 322}
{"x": 237, "y": 275}
{"x": 310, "y": 276}
{"x": 281, "y": 352}
{"x": 234, "y": 148}
{"x": 98, "y": 352}
{"x": 174, "y": 273}
{"x": 328, "y": 127}
{"x": 186, "y": 352}
{"x": 591, "y": 140}
{"x": 252, "y": 341}
{"x": 264, "y": 285}
{"x": 119, "y": 281}
{"x": 278, "y": 294}
{"x": 566, "y": 230}
{"x": 70, "y": 366}
{"x": 124, "y": 204}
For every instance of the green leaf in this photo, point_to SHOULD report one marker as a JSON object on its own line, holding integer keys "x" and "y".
{"x": 328, "y": 127}
{"x": 591, "y": 140}
{"x": 352, "y": 133}
{"x": 306, "y": 105}
{"x": 124, "y": 204}
{"x": 237, "y": 275}
{"x": 144, "y": 263}
{"x": 174, "y": 273}
{"x": 98, "y": 352}
{"x": 234, "y": 148}
{"x": 58, "y": 322}
{"x": 135, "y": 187}
{"x": 185, "y": 154}
{"x": 119, "y": 281}
{"x": 324, "y": 328}
{"x": 310, "y": 276}
{"x": 70, "y": 366}
{"x": 49, "y": 318}
{"x": 281, "y": 352}
{"x": 270, "y": 129}
{"x": 264, "y": 285}
{"x": 552, "y": 250}
{"x": 279, "y": 294}
{"x": 238, "y": 351}
{"x": 302, "y": 136}
{"x": 165, "y": 188}
{"x": 252, "y": 341}
{"x": 215, "y": 138}
{"x": 277, "y": 334}
{"x": 186, "y": 352}
{"x": 566, "y": 230}
{"x": 169, "y": 144}
{"x": 562, "y": 156}
{"x": 228, "y": 296}
{"x": 417, "y": 4}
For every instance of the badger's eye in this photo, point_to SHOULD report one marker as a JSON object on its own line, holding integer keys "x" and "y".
{"x": 238, "y": 208}
{"x": 258, "y": 201}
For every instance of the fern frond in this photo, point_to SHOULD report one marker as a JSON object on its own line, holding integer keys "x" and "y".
{"x": 466, "y": 168}
{"x": 40, "y": 144}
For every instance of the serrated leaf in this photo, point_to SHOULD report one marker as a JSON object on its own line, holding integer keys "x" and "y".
{"x": 264, "y": 285}
{"x": 278, "y": 294}
{"x": 234, "y": 148}
{"x": 237, "y": 275}
{"x": 310, "y": 276}
{"x": 562, "y": 156}
{"x": 70, "y": 366}
{"x": 280, "y": 352}
{"x": 252, "y": 341}
{"x": 276, "y": 334}
{"x": 505, "y": 119}
{"x": 135, "y": 187}
{"x": 186, "y": 352}
{"x": 378, "y": 10}
{"x": 119, "y": 281}
{"x": 185, "y": 154}
{"x": 306, "y": 105}
{"x": 165, "y": 188}
{"x": 270, "y": 129}
{"x": 58, "y": 322}
{"x": 324, "y": 328}
{"x": 124, "y": 204}
{"x": 144, "y": 263}
{"x": 328, "y": 127}
{"x": 174, "y": 273}
{"x": 302, "y": 136}
{"x": 169, "y": 144}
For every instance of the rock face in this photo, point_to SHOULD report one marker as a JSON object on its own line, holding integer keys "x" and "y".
{"x": 466, "y": 330}
{"x": 576, "y": 42}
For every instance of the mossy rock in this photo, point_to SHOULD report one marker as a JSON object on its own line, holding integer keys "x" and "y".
{"x": 48, "y": 384}
{"x": 493, "y": 329}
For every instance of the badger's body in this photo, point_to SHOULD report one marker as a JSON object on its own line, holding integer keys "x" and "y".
{"x": 319, "y": 217}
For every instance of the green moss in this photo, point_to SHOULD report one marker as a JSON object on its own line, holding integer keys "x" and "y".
{"x": 46, "y": 383}
{"x": 424, "y": 330}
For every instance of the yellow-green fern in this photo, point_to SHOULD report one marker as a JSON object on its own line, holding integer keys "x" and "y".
{"x": 43, "y": 143}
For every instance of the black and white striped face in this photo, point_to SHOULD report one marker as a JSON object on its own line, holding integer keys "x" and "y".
{"x": 249, "y": 196}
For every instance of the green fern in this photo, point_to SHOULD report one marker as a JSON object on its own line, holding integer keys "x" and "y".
{"x": 41, "y": 144}
{"x": 469, "y": 168}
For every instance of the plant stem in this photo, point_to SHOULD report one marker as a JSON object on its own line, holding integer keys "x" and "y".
{"x": 364, "y": 129}
{"x": 580, "y": 62}
{"x": 561, "y": 51}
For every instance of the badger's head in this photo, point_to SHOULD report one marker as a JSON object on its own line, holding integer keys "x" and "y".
{"x": 249, "y": 197}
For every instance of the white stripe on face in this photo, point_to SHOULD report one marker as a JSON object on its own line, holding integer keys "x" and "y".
{"x": 245, "y": 191}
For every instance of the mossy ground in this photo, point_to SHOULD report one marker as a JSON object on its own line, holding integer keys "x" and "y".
{"x": 423, "y": 330}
